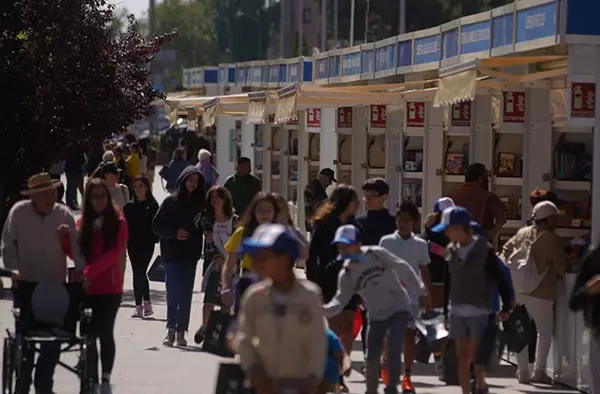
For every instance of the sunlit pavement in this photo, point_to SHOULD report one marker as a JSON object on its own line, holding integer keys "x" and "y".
{"x": 143, "y": 365}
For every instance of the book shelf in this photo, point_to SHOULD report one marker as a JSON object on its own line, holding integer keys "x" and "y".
{"x": 412, "y": 149}
{"x": 259, "y": 148}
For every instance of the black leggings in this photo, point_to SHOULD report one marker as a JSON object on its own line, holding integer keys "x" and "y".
{"x": 140, "y": 260}
{"x": 104, "y": 313}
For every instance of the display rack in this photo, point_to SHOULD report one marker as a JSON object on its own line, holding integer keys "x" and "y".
{"x": 259, "y": 148}
{"x": 412, "y": 145}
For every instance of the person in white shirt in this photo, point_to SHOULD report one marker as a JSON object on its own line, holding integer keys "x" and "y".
{"x": 404, "y": 244}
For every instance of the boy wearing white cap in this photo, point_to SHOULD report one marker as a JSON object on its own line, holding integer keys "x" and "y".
{"x": 384, "y": 282}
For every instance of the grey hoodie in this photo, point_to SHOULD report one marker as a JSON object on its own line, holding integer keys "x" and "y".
{"x": 383, "y": 280}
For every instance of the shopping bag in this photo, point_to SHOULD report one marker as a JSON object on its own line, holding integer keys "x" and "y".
{"x": 231, "y": 380}
{"x": 449, "y": 364}
{"x": 156, "y": 273}
{"x": 357, "y": 324}
{"x": 215, "y": 340}
{"x": 423, "y": 353}
{"x": 432, "y": 326}
{"x": 517, "y": 329}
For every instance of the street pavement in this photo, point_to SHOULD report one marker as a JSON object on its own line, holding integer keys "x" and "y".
{"x": 143, "y": 365}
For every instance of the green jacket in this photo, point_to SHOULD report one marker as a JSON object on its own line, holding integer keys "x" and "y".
{"x": 243, "y": 188}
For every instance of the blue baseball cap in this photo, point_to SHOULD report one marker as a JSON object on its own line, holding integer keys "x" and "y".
{"x": 272, "y": 236}
{"x": 347, "y": 234}
{"x": 443, "y": 203}
{"x": 453, "y": 216}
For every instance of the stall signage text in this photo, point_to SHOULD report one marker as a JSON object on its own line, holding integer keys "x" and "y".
{"x": 427, "y": 49}
{"x": 322, "y": 69}
{"x": 368, "y": 61}
{"x": 385, "y": 59}
{"x": 351, "y": 64}
{"x": 536, "y": 22}
{"x": 313, "y": 117}
{"x": 415, "y": 114}
{"x": 450, "y": 44}
{"x": 404, "y": 53}
{"x": 231, "y": 74}
{"x": 514, "y": 107}
{"x": 293, "y": 72}
{"x": 461, "y": 114}
{"x": 583, "y": 100}
{"x": 344, "y": 118}
{"x": 378, "y": 116}
{"x": 475, "y": 37}
{"x": 502, "y": 28}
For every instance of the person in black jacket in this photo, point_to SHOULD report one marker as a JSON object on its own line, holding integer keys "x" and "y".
{"x": 323, "y": 265}
{"x": 177, "y": 224}
{"x": 586, "y": 298}
{"x": 140, "y": 245}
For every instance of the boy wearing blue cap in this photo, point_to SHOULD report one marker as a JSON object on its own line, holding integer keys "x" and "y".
{"x": 281, "y": 337}
{"x": 384, "y": 282}
{"x": 473, "y": 275}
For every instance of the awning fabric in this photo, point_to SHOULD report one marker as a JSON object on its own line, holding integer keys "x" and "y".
{"x": 286, "y": 104}
{"x": 257, "y": 107}
{"x": 456, "y": 88}
{"x": 209, "y": 117}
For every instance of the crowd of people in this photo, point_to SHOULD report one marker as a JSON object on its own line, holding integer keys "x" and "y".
{"x": 292, "y": 335}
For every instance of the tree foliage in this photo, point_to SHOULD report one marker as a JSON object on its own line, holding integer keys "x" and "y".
{"x": 67, "y": 81}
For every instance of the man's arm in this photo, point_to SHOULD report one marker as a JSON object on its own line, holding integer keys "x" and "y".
{"x": 8, "y": 244}
{"x": 499, "y": 214}
{"x": 406, "y": 274}
{"x": 495, "y": 272}
{"x": 424, "y": 261}
{"x": 342, "y": 297}
{"x": 75, "y": 250}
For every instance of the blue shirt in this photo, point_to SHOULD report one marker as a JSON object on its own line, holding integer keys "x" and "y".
{"x": 376, "y": 224}
{"x": 506, "y": 271}
{"x": 332, "y": 367}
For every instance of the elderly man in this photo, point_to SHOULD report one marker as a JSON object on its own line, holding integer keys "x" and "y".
{"x": 32, "y": 249}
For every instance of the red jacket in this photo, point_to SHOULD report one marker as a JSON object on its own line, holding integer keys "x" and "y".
{"x": 103, "y": 269}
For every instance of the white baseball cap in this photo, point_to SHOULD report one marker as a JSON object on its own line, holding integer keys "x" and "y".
{"x": 443, "y": 203}
{"x": 545, "y": 209}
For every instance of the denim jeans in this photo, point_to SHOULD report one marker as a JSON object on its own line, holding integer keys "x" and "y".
{"x": 179, "y": 281}
{"x": 396, "y": 325}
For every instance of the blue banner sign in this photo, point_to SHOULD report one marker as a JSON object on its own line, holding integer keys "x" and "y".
{"x": 274, "y": 73}
{"x": 256, "y": 74}
{"x": 404, "y": 53}
{"x": 385, "y": 58}
{"x": 211, "y": 75}
{"x": 502, "y": 27}
{"x": 450, "y": 44}
{"x": 307, "y": 70}
{"x": 282, "y": 73}
{"x": 231, "y": 75}
{"x": 187, "y": 78}
{"x": 427, "y": 49}
{"x": 293, "y": 73}
{"x": 241, "y": 74}
{"x": 537, "y": 22}
{"x": 368, "y": 61}
{"x": 322, "y": 71}
{"x": 351, "y": 64}
{"x": 334, "y": 66}
{"x": 475, "y": 37}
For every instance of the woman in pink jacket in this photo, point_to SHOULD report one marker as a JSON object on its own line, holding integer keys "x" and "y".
{"x": 102, "y": 238}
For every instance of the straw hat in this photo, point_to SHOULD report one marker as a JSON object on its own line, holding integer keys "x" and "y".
{"x": 40, "y": 183}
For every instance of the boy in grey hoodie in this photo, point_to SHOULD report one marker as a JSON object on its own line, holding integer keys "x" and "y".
{"x": 384, "y": 282}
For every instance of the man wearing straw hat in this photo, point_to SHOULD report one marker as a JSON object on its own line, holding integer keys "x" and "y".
{"x": 31, "y": 248}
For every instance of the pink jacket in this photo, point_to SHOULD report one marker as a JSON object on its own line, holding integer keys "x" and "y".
{"x": 103, "y": 269}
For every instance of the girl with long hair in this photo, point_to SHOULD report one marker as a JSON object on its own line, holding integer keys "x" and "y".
{"x": 262, "y": 209}
{"x": 139, "y": 214}
{"x": 102, "y": 239}
{"x": 218, "y": 222}
{"x": 323, "y": 266}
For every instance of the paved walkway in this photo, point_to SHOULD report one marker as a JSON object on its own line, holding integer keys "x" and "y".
{"x": 144, "y": 366}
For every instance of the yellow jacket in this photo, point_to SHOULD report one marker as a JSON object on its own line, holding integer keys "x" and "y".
{"x": 134, "y": 166}
{"x": 290, "y": 350}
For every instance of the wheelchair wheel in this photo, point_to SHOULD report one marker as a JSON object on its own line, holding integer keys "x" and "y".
{"x": 83, "y": 367}
{"x": 8, "y": 367}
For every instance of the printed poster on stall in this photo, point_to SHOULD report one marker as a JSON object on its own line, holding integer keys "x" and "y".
{"x": 378, "y": 116}
{"x": 415, "y": 114}
{"x": 344, "y": 119}
{"x": 513, "y": 109}
{"x": 461, "y": 114}
{"x": 583, "y": 100}
{"x": 313, "y": 120}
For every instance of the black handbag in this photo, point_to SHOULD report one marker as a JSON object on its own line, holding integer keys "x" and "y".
{"x": 156, "y": 273}
{"x": 488, "y": 345}
{"x": 232, "y": 380}
{"x": 517, "y": 329}
{"x": 215, "y": 340}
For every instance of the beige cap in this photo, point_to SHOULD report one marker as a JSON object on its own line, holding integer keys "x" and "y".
{"x": 545, "y": 209}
